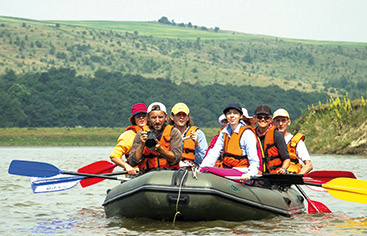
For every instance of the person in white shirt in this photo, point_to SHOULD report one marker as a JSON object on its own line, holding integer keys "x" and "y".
{"x": 237, "y": 142}
{"x": 296, "y": 147}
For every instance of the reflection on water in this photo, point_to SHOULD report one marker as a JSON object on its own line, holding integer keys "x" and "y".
{"x": 51, "y": 226}
{"x": 78, "y": 211}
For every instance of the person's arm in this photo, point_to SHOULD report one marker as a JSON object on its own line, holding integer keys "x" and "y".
{"x": 173, "y": 156}
{"x": 248, "y": 145}
{"x": 283, "y": 152}
{"x": 212, "y": 156}
{"x": 123, "y": 147}
{"x": 201, "y": 145}
{"x": 136, "y": 152}
{"x": 304, "y": 156}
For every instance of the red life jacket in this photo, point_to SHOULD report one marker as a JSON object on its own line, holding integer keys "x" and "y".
{"x": 188, "y": 152}
{"x": 152, "y": 160}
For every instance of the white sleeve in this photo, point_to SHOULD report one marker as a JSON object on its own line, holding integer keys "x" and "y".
{"x": 302, "y": 152}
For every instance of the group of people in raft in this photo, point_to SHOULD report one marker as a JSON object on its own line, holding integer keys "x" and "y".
{"x": 252, "y": 145}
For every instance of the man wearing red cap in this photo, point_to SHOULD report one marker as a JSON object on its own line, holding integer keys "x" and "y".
{"x": 138, "y": 120}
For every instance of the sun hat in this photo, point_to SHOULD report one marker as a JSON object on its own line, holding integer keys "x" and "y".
{"x": 281, "y": 112}
{"x": 221, "y": 118}
{"x": 157, "y": 104}
{"x": 245, "y": 113}
{"x": 233, "y": 106}
{"x": 180, "y": 107}
{"x": 263, "y": 110}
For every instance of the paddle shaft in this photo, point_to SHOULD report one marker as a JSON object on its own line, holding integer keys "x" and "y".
{"x": 92, "y": 175}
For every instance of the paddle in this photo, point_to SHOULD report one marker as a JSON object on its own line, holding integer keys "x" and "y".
{"x": 313, "y": 206}
{"x": 63, "y": 182}
{"x": 59, "y": 182}
{"x": 347, "y": 189}
{"x": 99, "y": 167}
{"x": 324, "y": 176}
{"x": 41, "y": 169}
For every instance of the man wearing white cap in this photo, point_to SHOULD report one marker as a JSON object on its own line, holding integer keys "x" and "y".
{"x": 159, "y": 146}
{"x": 194, "y": 140}
{"x": 296, "y": 147}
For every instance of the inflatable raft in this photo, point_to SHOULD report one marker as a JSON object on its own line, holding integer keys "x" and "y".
{"x": 192, "y": 196}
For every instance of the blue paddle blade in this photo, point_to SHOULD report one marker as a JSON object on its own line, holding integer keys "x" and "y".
{"x": 32, "y": 169}
{"x": 55, "y": 183}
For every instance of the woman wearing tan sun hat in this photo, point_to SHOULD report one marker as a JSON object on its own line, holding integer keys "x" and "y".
{"x": 194, "y": 140}
{"x": 138, "y": 120}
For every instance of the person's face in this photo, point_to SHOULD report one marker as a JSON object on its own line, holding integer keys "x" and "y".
{"x": 180, "y": 119}
{"x": 157, "y": 119}
{"x": 251, "y": 122}
{"x": 233, "y": 116}
{"x": 224, "y": 123}
{"x": 141, "y": 119}
{"x": 282, "y": 123}
{"x": 263, "y": 121}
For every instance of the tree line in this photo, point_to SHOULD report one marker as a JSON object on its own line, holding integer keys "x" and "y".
{"x": 61, "y": 98}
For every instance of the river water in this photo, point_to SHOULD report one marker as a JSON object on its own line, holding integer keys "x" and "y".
{"x": 79, "y": 211}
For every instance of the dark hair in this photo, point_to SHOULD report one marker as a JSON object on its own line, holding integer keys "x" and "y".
{"x": 156, "y": 108}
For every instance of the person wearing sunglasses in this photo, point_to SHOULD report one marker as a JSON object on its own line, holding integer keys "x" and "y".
{"x": 138, "y": 119}
{"x": 237, "y": 142}
{"x": 275, "y": 157}
{"x": 296, "y": 147}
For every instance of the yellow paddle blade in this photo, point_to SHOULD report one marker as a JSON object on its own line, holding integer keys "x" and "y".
{"x": 353, "y": 190}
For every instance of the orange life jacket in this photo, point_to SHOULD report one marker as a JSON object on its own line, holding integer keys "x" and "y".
{"x": 135, "y": 129}
{"x": 188, "y": 152}
{"x": 232, "y": 152}
{"x": 295, "y": 166}
{"x": 272, "y": 158}
{"x": 152, "y": 160}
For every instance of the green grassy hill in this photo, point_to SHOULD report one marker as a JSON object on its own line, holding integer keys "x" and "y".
{"x": 337, "y": 127}
{"x": 183, "y": 54}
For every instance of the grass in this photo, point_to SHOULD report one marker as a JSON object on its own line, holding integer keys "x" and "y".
{"x": 68, "y": 136}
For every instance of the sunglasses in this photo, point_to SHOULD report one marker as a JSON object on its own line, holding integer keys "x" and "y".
{"x": 260, "y": 117}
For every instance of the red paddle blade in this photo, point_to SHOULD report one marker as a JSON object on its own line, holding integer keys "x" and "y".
{"x": 317, "y": 207}
{"x": 99, "y": 167}
{"x": 324, "y": 176}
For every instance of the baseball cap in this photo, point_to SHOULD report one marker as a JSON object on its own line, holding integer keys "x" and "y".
{"x": 281, "y": 112}
{"x": 233, "y": 106}
{"x": 263, "y": 109}
{"x": 180, "y": 107}
{"x": 138, "y": 108}
{"x": 157, "y": 104}
{"x": 245, "y": 113}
